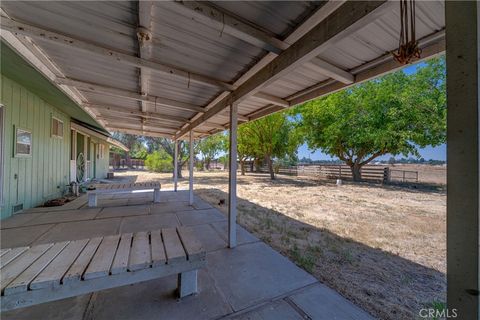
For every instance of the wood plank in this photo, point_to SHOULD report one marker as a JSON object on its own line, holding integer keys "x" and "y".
{"x": 12, "y": 270}
{"x": 75, "y": 272}
{"x": 21, "y": 283}
{"x": 103, "y": 258}
{"x": 11, "y": 255}
{"x": 120, "y": 262}
{"x": 158, "y": 250}
{"x": 173, "y": 246}
{"x": 32, "y": 297}
{"x": 193, "y": 247}
{"x": 53, "y": 273}
{"x": 140, "y": 256}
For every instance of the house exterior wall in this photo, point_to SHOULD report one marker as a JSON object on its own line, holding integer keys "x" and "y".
{"x": 32, "y": 180}
{"x": 44, "y": 175}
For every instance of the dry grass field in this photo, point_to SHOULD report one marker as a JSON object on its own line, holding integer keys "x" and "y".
{"x": 382, "y": 247}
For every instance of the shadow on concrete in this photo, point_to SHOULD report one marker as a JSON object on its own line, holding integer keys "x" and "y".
{"x": 385, "y": 284}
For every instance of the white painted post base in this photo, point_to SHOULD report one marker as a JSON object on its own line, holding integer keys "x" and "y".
{"x": 187, "y": 283}
{"x": 156, "y": 195}
{"x": 92, "y": 199}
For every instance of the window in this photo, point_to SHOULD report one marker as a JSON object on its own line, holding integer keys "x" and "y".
{"x": 57, "y": 128}
{"x": 23, "y": 143}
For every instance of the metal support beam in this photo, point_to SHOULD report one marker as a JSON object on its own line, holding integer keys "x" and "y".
{"x": 232, "y": 178}
{"x": 463, "y": 157}
{"x": 190, "y": 173}
{"x": 175, "y": 165}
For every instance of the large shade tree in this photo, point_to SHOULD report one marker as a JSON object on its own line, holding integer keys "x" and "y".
{"x": 395, "y": 114}
{"x": 211, "y": 146}
{"x": 270, "y": 137}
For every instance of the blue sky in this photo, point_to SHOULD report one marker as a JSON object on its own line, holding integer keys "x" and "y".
{"x": 435, "y": 153}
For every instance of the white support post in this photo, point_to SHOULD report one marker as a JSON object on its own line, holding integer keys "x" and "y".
{"x": 190, "y": 178}
{"x": 463, "y": 157}
{"x": 175, "y": 166}
{"x": 232, "y": 178}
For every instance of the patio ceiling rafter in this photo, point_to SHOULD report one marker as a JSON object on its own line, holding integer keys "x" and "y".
{"x": 144, "y": 36}
{"x": 129, "y": 112}
{"x": 122, "y": 120}
{"x": 349, "y": 17}
{"x": 127, "y": 94}
{"x": 16, "y": 28}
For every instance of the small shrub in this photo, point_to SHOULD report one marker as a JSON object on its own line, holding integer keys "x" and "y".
{"x": 159, "y": 162}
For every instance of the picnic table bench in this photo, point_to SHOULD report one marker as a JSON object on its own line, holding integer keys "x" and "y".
{"x": 106, "y": 188}
{"x": 54, "y": 271}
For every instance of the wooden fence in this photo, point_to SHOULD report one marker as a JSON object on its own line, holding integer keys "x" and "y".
{"x": 331, "y": 171}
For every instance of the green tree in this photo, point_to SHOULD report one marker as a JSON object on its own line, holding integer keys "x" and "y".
{"x": 270, "y": 137}
{"x": 246, "y": 146}
{"x": 159, "y": 161}
{"x": 211, "y": 146}
{"x": 132, "y": 142}
{"x": 160, "y": 143}
{"x": 395, "y": 114}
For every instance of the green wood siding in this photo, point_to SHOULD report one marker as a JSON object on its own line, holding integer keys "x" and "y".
{"x": 33, "y": 180}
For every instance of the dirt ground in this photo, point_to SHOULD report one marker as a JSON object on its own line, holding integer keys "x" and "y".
{"x": 382, "y": 247}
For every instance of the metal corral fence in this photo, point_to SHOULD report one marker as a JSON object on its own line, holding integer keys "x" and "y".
{"x": 403, "y": 175}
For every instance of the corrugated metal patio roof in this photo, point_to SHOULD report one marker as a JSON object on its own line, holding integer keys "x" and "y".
{"x": 195, "y": 56}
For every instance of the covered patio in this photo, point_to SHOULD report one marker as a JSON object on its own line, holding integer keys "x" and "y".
{"x": 186, "y": 70}
{"x": 253, "y": 281}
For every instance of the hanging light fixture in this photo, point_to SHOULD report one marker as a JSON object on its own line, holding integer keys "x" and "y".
{"x": 408, "y": 45}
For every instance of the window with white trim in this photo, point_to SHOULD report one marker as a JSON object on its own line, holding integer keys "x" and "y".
{"x": 23, "y": 142}
{"x": 57, "y": 128}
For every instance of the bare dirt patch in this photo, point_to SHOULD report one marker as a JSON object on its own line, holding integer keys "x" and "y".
{"x": 382, "y": 247}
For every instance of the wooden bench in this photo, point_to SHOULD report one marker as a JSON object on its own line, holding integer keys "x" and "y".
{"x": 106, "y": 188}
{"x": 53, "y": 271}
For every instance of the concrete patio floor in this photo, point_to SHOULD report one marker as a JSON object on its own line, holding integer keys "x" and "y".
{"x": 252, "y": 281}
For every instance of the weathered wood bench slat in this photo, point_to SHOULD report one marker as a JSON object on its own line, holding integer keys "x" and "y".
{"x": 77, "y": 269}
{"x": 193, "y": 248}
{"x": 173, "y": 246}
{"x": 120, "y": 262}
{"x": 21, "y": 283}
{"x": 140, "y": 256}
{"x": 60, "y": 270}
{"x": 53, "y": 273}
{"x": 11, "y": 255}
{"x": 158, "y": 250}
{"x": 103, "y": 258}
{"x": 122, "y": 188}
{"x": 11, "y": 271}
